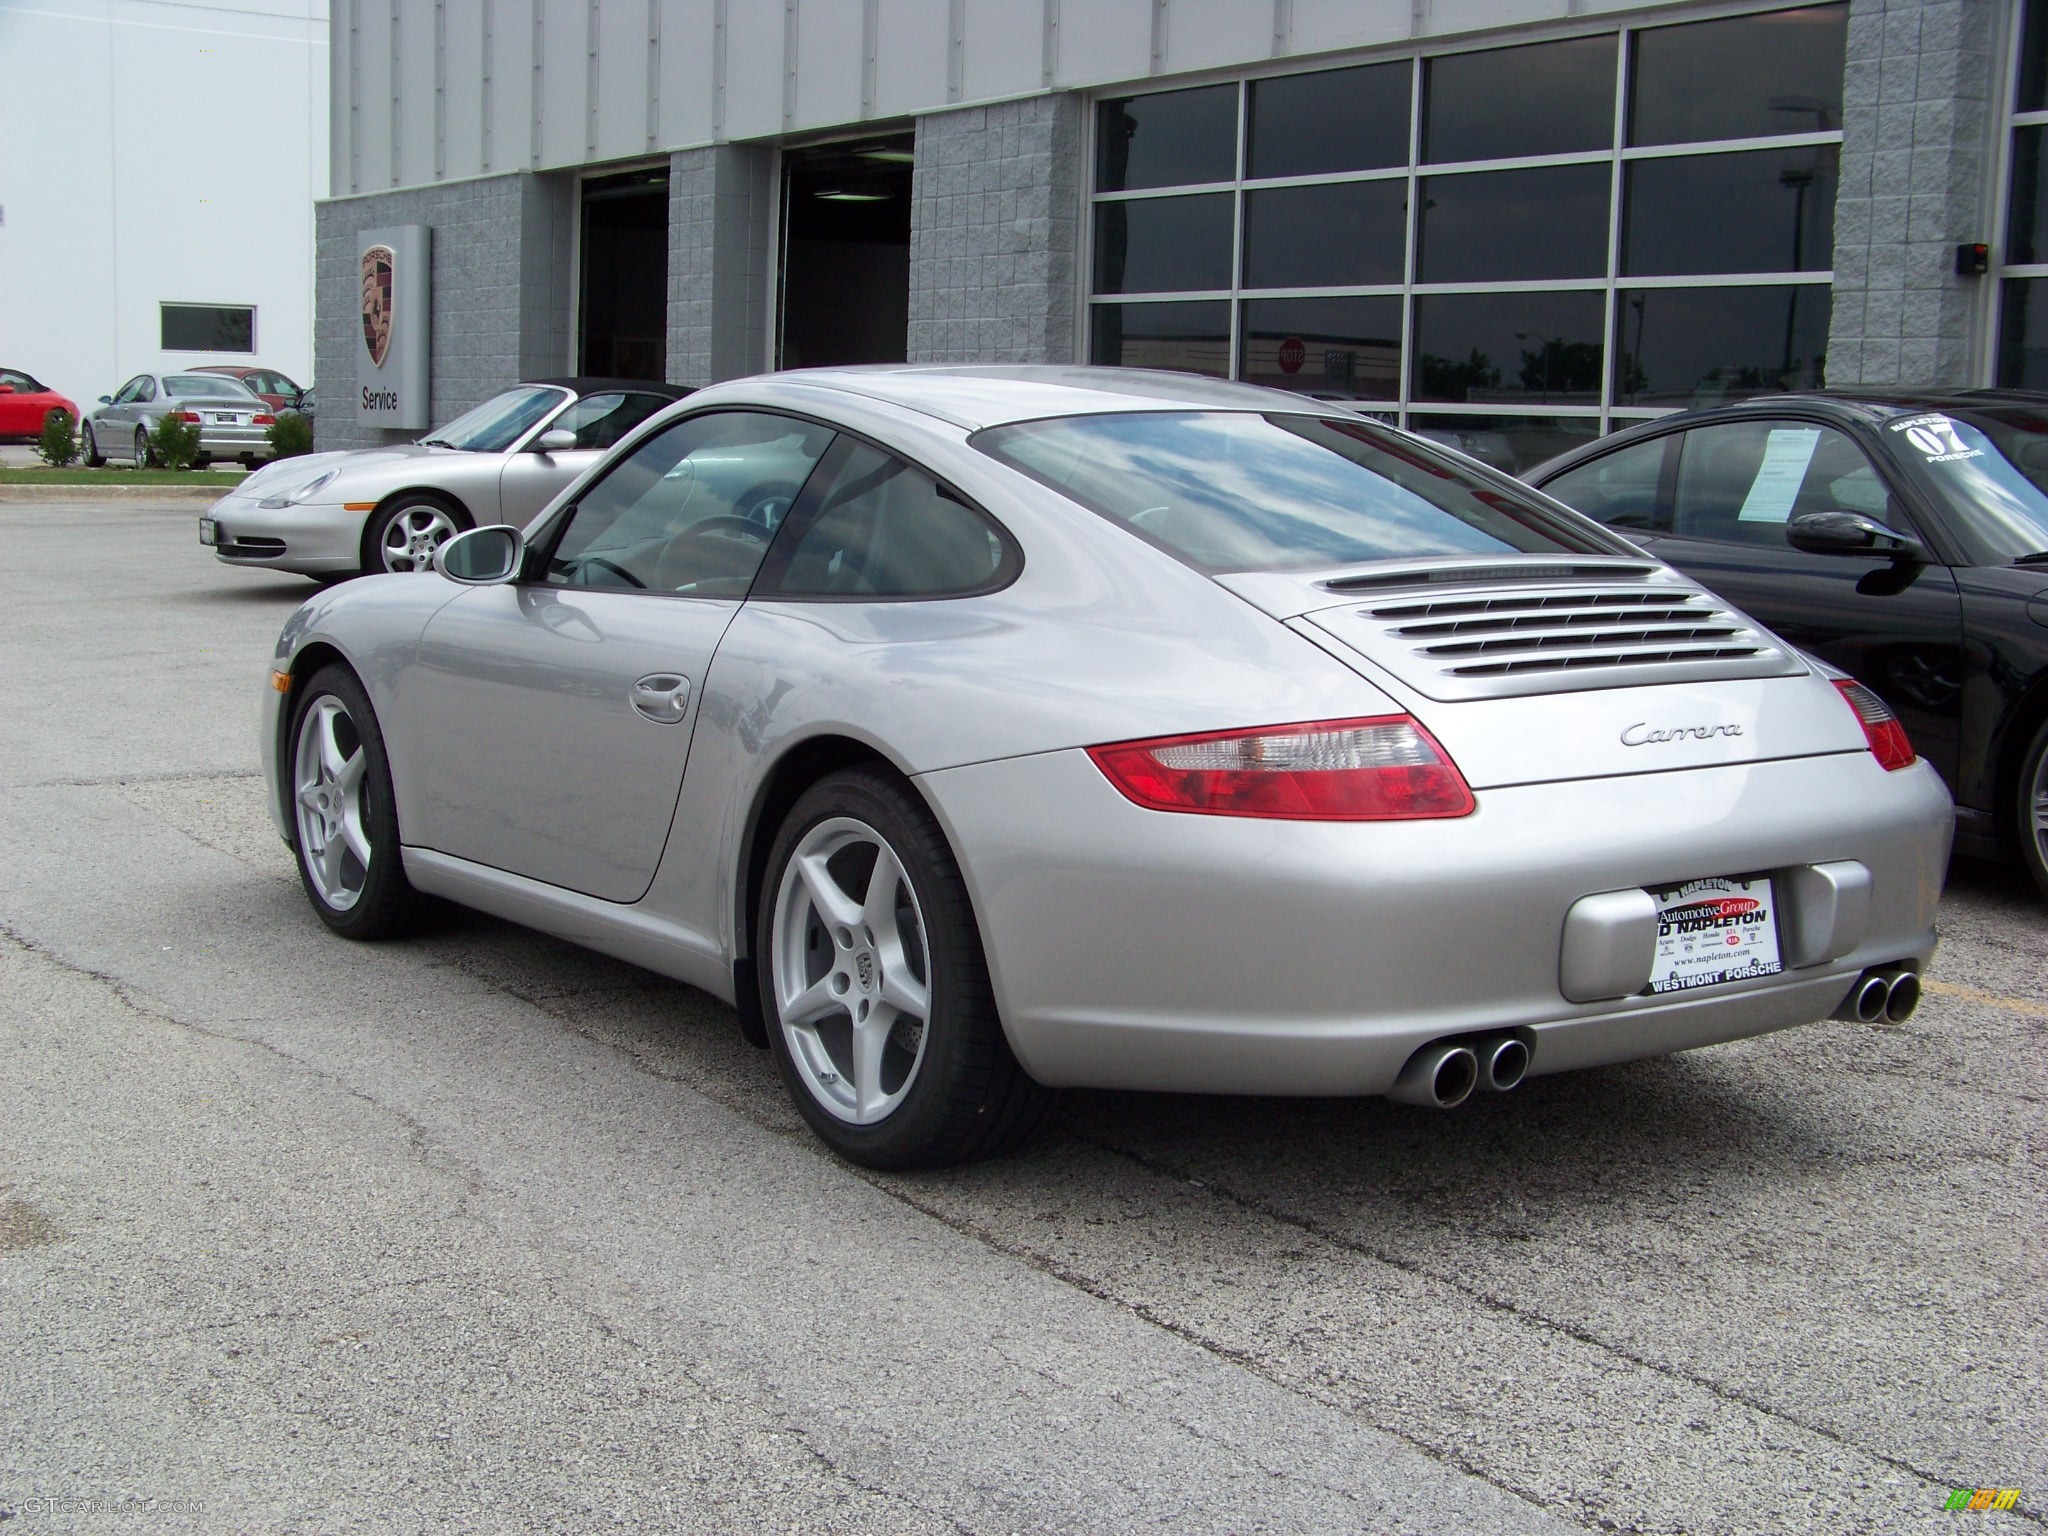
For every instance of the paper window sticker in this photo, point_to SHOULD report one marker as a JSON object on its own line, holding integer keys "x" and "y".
{"x": 1786, "y": 457}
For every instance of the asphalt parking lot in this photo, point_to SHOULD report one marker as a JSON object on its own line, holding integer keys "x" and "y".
{"x": 482, "y": 1232}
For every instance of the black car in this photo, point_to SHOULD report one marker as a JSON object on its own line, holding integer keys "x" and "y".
{"x": 1902, "y": 536}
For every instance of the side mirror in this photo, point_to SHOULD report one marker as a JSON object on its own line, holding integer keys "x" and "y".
{"x": 106, "y": 399}
{"x": 560, "y": 440}
{"x": 1850, "y": 533}
{"x": 482, "y": 557}
{"x": 6, "y": 389}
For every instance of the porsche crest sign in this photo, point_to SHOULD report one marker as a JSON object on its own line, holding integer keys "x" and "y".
{"x": 393, "y": 268}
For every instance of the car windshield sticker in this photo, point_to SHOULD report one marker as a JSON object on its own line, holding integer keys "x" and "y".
{"x": 1778, "y": 478}
{"x": 1711, "y": 931}
{"x": 1937, "y": 439}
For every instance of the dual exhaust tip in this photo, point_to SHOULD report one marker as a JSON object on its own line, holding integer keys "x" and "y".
{"x": 1445, "y": 1074}
{"x": 1889, "y": 993}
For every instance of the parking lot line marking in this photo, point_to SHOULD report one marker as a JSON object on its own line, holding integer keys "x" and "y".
{"x": 1995, "y": 999}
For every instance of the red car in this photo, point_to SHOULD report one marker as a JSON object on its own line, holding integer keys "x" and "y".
{"x": 24, "y": 404}
{"x": 272, "y": 387}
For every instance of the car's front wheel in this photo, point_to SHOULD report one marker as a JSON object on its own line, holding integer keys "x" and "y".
{"x": 871, "y": 971}
{"x": 344, "y": 813}
{"x": 404, "y": 535}
{"x": 2032, "y": 810}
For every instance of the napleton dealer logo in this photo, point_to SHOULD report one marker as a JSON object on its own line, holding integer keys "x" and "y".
{"x": 1982, "y": 1498}
{"x": 378, "y": 262}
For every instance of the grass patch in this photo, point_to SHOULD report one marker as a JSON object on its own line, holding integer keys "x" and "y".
{"x": 14, "y": 475}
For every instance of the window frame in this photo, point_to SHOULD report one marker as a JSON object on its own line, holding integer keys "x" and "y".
{"x": 1614, "y": 287}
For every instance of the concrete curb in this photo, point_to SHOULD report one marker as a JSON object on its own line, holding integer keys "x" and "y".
{"x": 194, "y": 493}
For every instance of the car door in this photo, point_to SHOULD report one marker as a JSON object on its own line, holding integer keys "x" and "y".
{"x": 554, "y": 714}
{"x": 531, "y": 479}
{"x": 1895, "y": 626}
{"x": 20, "y": 414}
{"x": 114, "y": 422}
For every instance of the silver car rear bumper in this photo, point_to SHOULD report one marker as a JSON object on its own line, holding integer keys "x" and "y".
{"x": 1136, "y": 949}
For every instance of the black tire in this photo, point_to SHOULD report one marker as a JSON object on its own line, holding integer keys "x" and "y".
{"x": 970, "y": 1098}
{"x": 89, "y": 449}
{"x": 399, "y": 506}
{"x": 145, "y": 456}
{"x": 387, "y": 906}
{"x": 2030, "y": 810}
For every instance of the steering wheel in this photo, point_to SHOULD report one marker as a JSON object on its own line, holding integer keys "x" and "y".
{"x": 587, "y": 561}
{"x": 726, "y": 526}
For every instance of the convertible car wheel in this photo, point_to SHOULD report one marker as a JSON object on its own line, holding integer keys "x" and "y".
{"x": 344, "y": 814}
{"x": 880, "y": 1009}
{"x": 2033, "y": 811}
{"x": 405, "y": 535}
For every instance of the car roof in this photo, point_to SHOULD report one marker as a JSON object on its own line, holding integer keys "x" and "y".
{"x": 976, "y": 397}
{"x": 591, "y": 384}
{"x": 233, "y": 370}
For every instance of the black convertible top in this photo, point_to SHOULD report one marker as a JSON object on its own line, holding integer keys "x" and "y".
{"x": 588, "y": 385}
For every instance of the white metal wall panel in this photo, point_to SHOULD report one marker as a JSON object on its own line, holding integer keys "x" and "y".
{"x": 462, "y": 88}
{"x": 1444, "y": 17}
{"x": 565, "y": 62}
{"x": 1103, "y": 40}
{"x": 371, "y": 94}
{"x": 508, "y": 104}
{"x": 417, "y": 108}
{"x": 754, "y": 67}
{"x": 686, "y": 72}
{"x": 1206, "y": 34}
{"x": 622, "y": 76}
{"x": 1004, "y": 48}
{"x": 1315, "y": 25}
{"x": 910, "y": 56}
{"x": 829, "y": 47}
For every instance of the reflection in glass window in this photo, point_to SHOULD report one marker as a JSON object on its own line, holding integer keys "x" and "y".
{"x": 1538, "y": 99}
{"x": 1991, "y": 471}
{"x": 2026, "y": 230}
{"x": 1344, "y": 235}
{"x": 1163, "y": 244}
{"x": 1701, "y": 346}
{"x": 1168, "y": 139}
{"x": 1743, "y": 482}
{"x": 1193, "y": 338}
{"x": 883, "y": 529}
{"x": 1745, "y": 77}
{"x": 1331, "y": 121}
{"x": 1333, "y": 348}
{"x": 1508, "y": 348}
{"x": 1511, "y": 444}
{"x": 691, "y": 510}
{"x": 1500, "y": 226}
{"x": 1232, "y": 491}
{"x": 1619, "y": 488}
{"x": 2033, "y": 92}
{"x": 2023, "y": 334}
{"x": 1772, "y": 210}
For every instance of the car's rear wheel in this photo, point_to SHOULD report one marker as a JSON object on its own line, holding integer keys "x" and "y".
{"x": 344, "y": 813}
{"x": 872, "y": 976}
{"x": 2032, "y": 810}
{"x": 144, "y": 455}
{"x": 404, "y": 535}
{"x": 89, "y": 449}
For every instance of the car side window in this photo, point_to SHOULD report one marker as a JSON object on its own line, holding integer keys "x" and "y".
{"x": 130, "y": 392}
{"x": 599, "y": 421}
{"x": 883, "y": 529}
{"x": 1741, "y": 482}
{"x": 1620, "y": 488}
{"x": 21, "y": 382}
{"x": 145, "y": 389}
{"x": 693, "y": 509}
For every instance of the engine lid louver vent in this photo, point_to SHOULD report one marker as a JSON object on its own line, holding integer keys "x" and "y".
{"x": 1485, "y": 642}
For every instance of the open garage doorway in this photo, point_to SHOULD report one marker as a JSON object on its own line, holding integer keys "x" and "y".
{"x": 622, "y": 292}
{"x": 845, "y": 253}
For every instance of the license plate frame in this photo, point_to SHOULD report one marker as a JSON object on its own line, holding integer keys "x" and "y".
{"x": 1715, "y": 930}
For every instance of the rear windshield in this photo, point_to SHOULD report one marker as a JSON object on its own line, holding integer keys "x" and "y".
{"x": 1990, "y": 468}
{"x": 206, "y": 386}
{"x": 1234, "y": 491}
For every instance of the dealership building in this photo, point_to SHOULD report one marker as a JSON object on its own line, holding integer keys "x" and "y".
{"x": 1513, "y": 224}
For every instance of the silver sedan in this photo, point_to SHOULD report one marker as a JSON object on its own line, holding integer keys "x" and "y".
{"x": 233, "y": 423}
{"x": 338, "y": 514}
{"x": 978, "y": 732}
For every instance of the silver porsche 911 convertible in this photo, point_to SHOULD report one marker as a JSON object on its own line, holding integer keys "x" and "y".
{"x": 981, "y": 731}
{"x": 340, "y": 514}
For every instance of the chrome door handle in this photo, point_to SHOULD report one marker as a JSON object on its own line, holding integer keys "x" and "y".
{"x": 663, "y": 697}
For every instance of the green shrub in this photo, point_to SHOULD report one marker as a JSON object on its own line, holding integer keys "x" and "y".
{"x": 57, "y": 446}
{"x": 290, "y": 436}
{"x": 175, "y": 443}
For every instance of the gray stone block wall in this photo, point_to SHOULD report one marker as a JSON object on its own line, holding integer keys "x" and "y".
{"x": 1920, "y": 97}
{"x": 719, "y": 202}
{"x": 500, "y": 304}
{"x": 995, "y": 233}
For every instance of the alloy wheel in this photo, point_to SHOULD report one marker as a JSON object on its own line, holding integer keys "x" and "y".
{"x": 327, "y": 782}
{"x": 412, "y": 536}
{"x": 851, "y": 970}
{"x": 2037, "y": 804}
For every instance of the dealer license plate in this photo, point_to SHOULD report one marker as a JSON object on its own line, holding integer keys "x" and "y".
{"x": 209, "y": 531}
{"x": 224, "y": 418}
{"x": 1711, "y": 931}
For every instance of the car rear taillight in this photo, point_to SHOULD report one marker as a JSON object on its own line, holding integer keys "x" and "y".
{"x": 191, "y": 416}
{"x": 263, "y": 419}
{"x": 1881, "y": 728}
{"x": 1387, "y": 768}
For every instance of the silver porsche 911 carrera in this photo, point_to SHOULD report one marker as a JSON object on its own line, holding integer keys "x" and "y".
{"x": 982, "y": 731}
{"x": 338, "y": 514}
